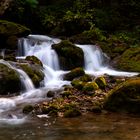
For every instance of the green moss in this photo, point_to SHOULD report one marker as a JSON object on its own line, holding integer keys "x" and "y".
{"x": 130, "y": 60}
{"x": 69, "y": 55}
{"x": 77, "y": 84}
{"x": 34, "y": 60}
{"x": 9, "y": 80}
{"x": 27, "y": 109}
{"x": 90, "y": 86}
{"x": 101, "y": 82}
{"x": 85, "y": 78}
{"x": 70, "y": 113}
{"x": 34, "y": 72}
{"x": 125, "y": 97}
{"x": 9, "y": 29}
{"x": 66, "y": 94}
{"x": 50, "y": 110}
{"x": 77, "y": 72}
{"x": 88, "y": 37}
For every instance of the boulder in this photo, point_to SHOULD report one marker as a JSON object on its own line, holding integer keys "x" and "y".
{"x": 130, "y": 60}
{"x": 69, "y": 55}
{"x": 75, "y": 73}
{"x": 34, "y": 72}
{"x": 9, "y": 80}
{"x": 10, "y": 32}
{"x": 124, "y": 97}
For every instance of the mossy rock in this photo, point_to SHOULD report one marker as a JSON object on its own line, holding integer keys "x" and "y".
{"x": 34, "y": 60}
{"x": 70, "y": 113}
{"x": 130, "y": 60}
{"x": 70, "y": 56}
{"x": 66, "y": 94}
{"x": 51, "y": 110}
{"x": 125, "y": 97}
{"x": 90, "y": 86}
{"x": 88, "y": 37}
{"x": 34, "y": 72}
{"x": 9, "y": 80}
{"x": 78, "y": 84}
{"x": 85, "y": 78}
{"x": 101, "y": 82}
{"x": 27, "y": 109}
{"x": 10, "y": 28}
{"x": 75, "y": 73}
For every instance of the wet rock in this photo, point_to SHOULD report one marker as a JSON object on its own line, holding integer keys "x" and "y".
{"x": 50, "y": 94}
{"x": 90, "y": 86}
{"x": 70, "y": 56}
{"x": 101, "y": 82}
{"x": 34, "y": 60}
{"x": 130, "y": 60}
{"x": 27, "y": 109}
{"x": 75, "y": 73}
{"x": 9, "y": 80}
{"x": 124, "y": 97}
{"x": 72, "y": 113}
{"x": 78, "y": 84}
{"x": 34, "y": 72}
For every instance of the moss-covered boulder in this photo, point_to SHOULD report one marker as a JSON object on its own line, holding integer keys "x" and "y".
{"x": 9, "y": 80}
{"x": 101, "y": 82}
{"x": 130, "y": 60}
{"x": 34, "y": 60}
{"x": 75, "y": 73}
{"x": 90, "y": 86}
{"x": 69, "y": 55}
{"x": 10, "y": 28}
{"x": 27, "y": 109}
{"x": 78, "y": 84}
{"x": 34, "y": 72}
{"x": 10, "y": 32}
{"x": 125, "y": 97}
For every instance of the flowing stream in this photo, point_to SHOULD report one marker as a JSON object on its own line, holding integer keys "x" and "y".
{"x": 40, "y": 46}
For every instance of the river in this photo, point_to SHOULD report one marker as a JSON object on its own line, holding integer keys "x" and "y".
{"x": 90, "y": 127}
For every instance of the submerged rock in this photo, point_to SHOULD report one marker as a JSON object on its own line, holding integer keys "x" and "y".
{"x": 70, "y": 56}
{"x": 124, "y": 97}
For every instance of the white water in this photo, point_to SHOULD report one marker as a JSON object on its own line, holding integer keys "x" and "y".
{"x": 25, "y": 80}
{"x": 95, "y": 62}
{"x": 40, "y": 46}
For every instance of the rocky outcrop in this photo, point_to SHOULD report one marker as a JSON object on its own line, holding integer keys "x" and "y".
{"x": 9, "y": 34}
{"x": 69, "y": 55}
{"x": 9, "y": 80}
{"x": 124, "y": 97}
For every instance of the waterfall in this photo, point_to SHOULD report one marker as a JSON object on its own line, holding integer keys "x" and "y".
{"x": 95, "y": 63}
{"x": 24, "y": 78}
{"x": 40, "y": 46}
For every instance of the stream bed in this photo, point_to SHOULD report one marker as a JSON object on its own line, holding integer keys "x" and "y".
{"x": 108, "y": 126}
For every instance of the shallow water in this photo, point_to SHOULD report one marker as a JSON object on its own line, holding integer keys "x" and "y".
{"x": 91, "y": 127}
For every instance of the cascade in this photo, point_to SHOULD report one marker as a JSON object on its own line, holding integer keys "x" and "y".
{"x": 40, "y": 46}
{"x": 25, "y": 80}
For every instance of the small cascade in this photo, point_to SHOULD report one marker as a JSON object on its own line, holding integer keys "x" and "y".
{"x": 25, "y": 80}
{"x": 95, "y": 62}
{"x": 40, "y": 46}
{"x": 2, "y": 53}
